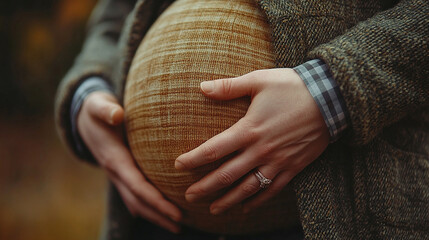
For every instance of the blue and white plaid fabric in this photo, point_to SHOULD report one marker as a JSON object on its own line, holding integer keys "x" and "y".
{"x": 326, "y": 93}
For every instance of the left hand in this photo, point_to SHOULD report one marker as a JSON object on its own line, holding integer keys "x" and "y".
{"x": 99, "y": 124}
{"x": 282, "y": 132}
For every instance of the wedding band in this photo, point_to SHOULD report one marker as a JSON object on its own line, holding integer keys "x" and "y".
{"x": 263, "y": 181}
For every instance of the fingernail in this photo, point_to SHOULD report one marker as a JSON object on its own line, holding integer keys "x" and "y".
{"x": 216, "y": 210}
{"x": 178, "y": 165}
{"x": 191, "y": 197}
{"x": 207, "y": 86}
{"x": 112, "y": 113}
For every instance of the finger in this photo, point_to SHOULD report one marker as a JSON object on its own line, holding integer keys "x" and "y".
{"x": 131, "y": 176}
{"x": 249, "y": 187}
{"x": 224, "y": 176}
{"x": 116, "y": 158}
{"x": 278, "y": 184}
{"x": 230, "y": 88}
{"x": 239, "y": 135}
{"x": 139, "y": 208}
{"x": 105, "y": 107}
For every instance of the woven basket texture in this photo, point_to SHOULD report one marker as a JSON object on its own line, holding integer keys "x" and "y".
{"x": 167, "y": 115}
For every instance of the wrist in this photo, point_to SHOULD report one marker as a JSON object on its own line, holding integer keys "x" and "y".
{"x": 326, "y": 94}
{"x": 88, "y": 86}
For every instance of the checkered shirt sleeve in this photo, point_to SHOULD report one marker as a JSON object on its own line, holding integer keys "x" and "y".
{"x": 326, "y": 93}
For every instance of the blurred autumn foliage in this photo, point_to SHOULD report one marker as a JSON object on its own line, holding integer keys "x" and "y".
{"x": 38, "y": 43}
{"x": 44, "y": 192}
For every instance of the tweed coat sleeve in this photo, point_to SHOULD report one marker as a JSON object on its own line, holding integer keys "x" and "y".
{"x": 381, "y": 66}
{"x": 98, "y": 58}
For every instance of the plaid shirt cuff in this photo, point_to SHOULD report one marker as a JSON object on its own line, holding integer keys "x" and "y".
{"x": 326, "y": 93}
{"x": 88, "y": 86}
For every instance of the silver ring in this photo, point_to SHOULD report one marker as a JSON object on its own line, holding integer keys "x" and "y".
{"x": 263, "y": 181}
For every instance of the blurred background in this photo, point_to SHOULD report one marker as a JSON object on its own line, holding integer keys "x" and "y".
{"x": 44, "y": 192}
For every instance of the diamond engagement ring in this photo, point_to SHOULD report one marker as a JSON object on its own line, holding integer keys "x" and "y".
{"x": 263, "y": 181}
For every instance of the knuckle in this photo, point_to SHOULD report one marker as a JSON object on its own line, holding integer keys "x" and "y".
{"x": 256, "y": 75}
{"x": 226, "y": 86}
{"x": 248, "y": 131}
{"x": 209, "y": 152}
{"x": 224, "y": 178}
{"x": 249, "y": 189}
{"x": 265, "y": 149}
{"x": 190, "y": 164}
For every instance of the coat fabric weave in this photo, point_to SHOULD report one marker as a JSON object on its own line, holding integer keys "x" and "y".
{"x": 374, "y": 182}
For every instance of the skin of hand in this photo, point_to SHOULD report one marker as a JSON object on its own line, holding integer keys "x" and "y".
{"x": 99, "y": 124}
{"x": 282, "y": 132}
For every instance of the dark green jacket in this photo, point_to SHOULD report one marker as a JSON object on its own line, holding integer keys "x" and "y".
{"x": 374, "y": 182}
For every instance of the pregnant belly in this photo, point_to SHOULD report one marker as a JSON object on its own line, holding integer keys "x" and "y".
{"x": 167, "y": 115}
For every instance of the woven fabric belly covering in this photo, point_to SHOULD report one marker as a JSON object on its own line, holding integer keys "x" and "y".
{"x": 167, "y": 115}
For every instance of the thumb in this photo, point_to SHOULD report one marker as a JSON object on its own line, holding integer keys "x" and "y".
{"x": 105, "y": 107}
{"x": 228, "y": 88}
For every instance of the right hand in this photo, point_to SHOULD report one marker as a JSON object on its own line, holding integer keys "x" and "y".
{"x": 99, "y": 124}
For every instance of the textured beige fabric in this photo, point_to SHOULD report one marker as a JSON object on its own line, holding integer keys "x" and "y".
{"x": 167, "y": 115}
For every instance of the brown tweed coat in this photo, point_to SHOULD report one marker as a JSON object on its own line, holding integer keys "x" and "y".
{"x": 374, "y": 182}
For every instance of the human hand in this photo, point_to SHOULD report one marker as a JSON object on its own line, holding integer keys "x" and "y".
{"x": 282, "y": 132}
{"x": 99, "y": 124}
